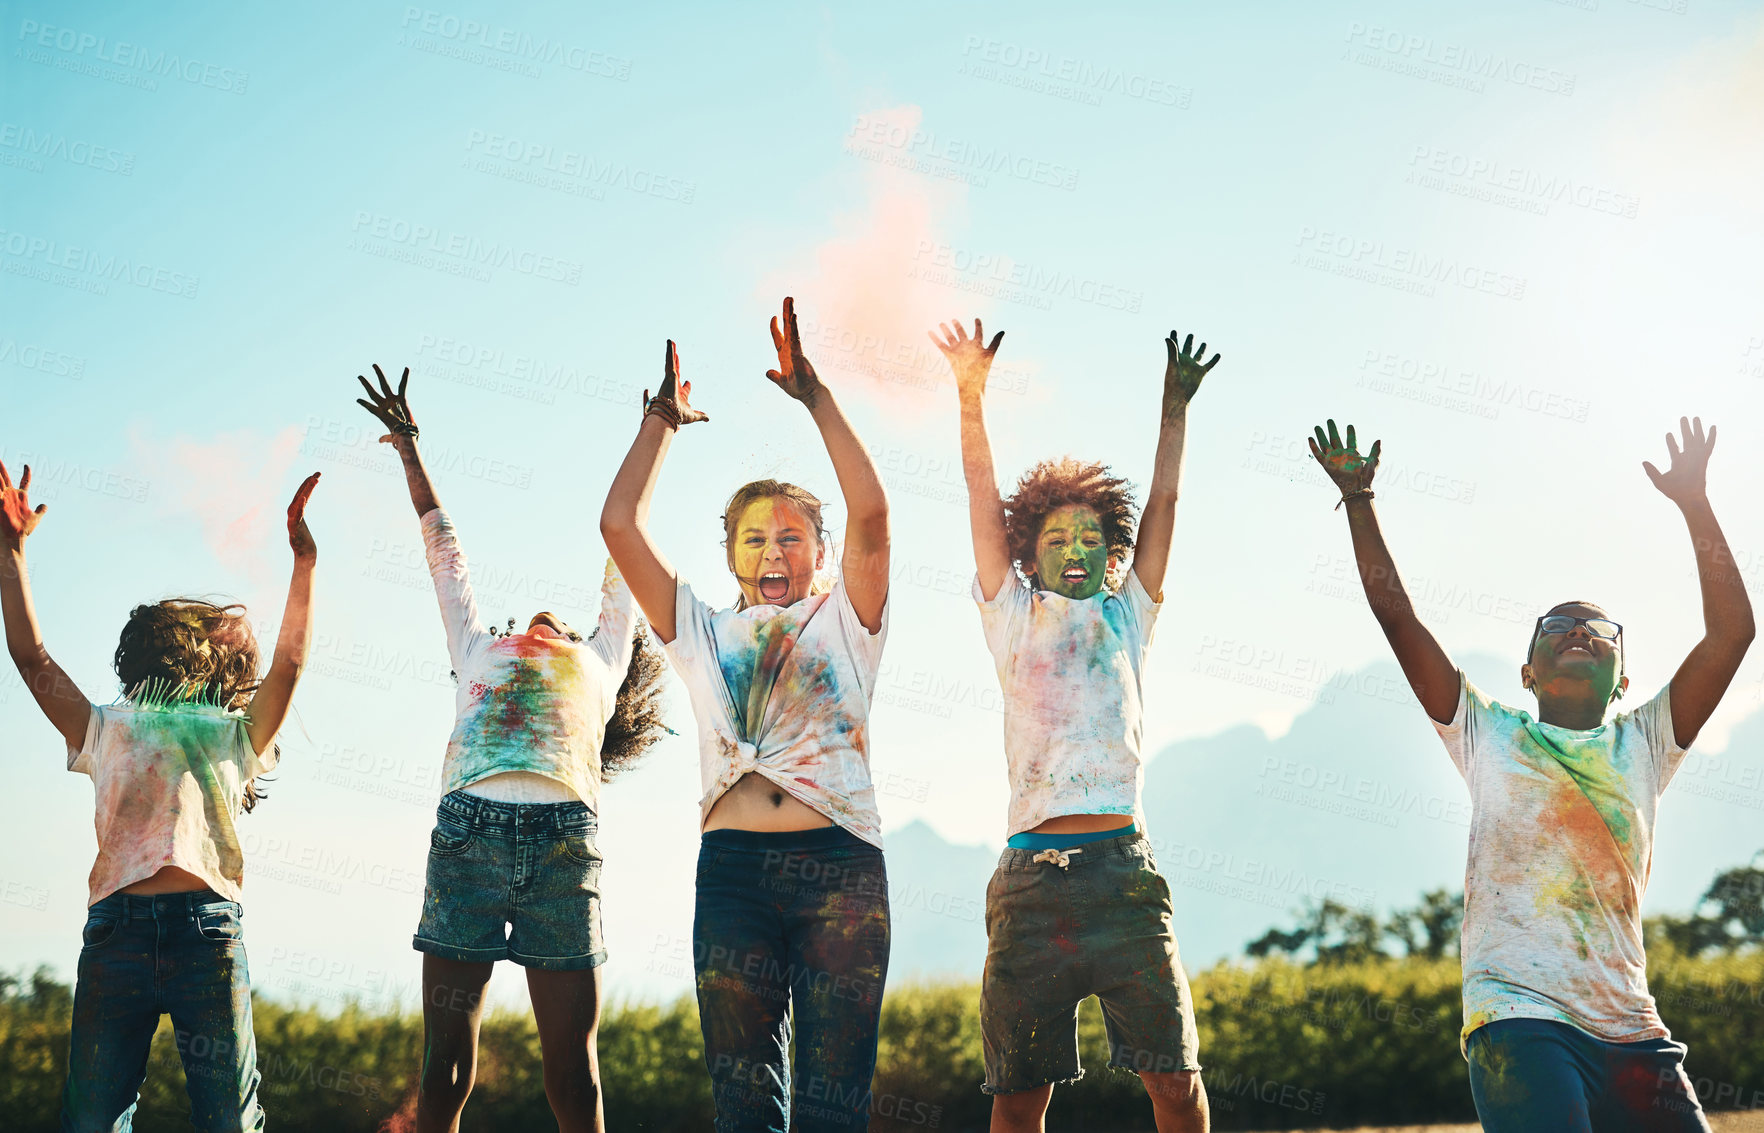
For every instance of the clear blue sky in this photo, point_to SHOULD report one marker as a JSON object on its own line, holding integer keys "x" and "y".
{"x": 1515, "y": 240}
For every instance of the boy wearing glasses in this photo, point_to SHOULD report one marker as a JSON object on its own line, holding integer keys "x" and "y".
{"x": 1559, "y": 1029}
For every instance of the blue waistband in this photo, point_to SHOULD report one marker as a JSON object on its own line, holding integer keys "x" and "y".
{"x": 1029, "y": 840}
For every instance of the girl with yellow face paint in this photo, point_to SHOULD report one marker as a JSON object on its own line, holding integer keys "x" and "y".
{"x": 1069, "y": 627}
{"x": 790, "y": 932}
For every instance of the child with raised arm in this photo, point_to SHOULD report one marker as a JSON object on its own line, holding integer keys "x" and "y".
{"x": 542, "y": 719}
{"x": 172, "y": 764}
{"x": 1559, "y": 1029}
{"x": 1076, "y": 907}
{"x": 790, "y": 930}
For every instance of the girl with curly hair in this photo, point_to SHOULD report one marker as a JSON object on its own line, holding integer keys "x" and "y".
{"x": 172, "y": 764}
{"x": 1068, "y": 599}
{"x": 790, "y": 931}
{"x": 542, "y": 719}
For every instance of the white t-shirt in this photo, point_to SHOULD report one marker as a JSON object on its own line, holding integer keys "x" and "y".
{"x": 1561, "y": 844}
{"x": 169, "y": 781}
{"x": 1070, "y": 670}
{"x": 526, "y": 704}
{"x": 784, "y": 691}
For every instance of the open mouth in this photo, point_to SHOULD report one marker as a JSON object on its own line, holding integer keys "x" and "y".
{"x": 1074, "y": 576}
{"x": 1586, "y": 649}
{"x": 773, "y": 586}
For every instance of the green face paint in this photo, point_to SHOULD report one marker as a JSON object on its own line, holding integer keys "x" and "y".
{"x": 1071, "y": 557}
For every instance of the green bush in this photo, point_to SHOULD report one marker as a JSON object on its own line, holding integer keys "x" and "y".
{"x": 1285, "y": 1046}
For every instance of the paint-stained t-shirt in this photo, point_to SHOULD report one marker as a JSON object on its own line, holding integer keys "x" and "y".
{"x": 1070, "y": 670}
{"x": 525, "y": 703}
{"x": 1561, "y": 844}
{"x": 784, "y": 692}
{"x": 169, "y": 780}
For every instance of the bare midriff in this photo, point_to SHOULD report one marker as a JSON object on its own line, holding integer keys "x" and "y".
{"x": 757, "y": 803}
{"x": 1083, "y": 823}
{"x": 169, "y": 879}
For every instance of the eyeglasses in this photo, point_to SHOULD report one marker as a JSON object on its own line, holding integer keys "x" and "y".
{"x": 1562, "y": 623}
{"x": 1605, "y": 628}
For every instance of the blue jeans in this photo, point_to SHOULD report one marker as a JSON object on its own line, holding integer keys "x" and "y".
{"x": 1541, "y": 1076}
{"x": 790, "y": 934}
{"x": 176, "y": 953}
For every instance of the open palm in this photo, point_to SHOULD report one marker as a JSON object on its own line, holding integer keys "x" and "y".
{"x": 17, "y": 520}
{"x": 1685, "y": 482}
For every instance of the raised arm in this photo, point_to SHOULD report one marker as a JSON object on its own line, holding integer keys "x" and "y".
{"x": 865, "y": 565}
{"x": 624, "y": 521}
{"x": 55, "y": 693}
{"x": 1728, "y": 627}
{"x": 1183, "y": 372}
{"x": 393, "y": 412}
{"x": 971, "y": 362}
{"x": 269, "y": 705}
{"x": 1431, "y": 673}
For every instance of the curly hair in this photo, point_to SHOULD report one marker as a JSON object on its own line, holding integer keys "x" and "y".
{"x": 757, "y": 490}
{"x": 636, "y": 723}
{"x": 190, "y": 649}
{"x": 1054, "y": 484}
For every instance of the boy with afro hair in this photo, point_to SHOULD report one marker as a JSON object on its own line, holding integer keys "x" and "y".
{"x": 1068, "y": 599}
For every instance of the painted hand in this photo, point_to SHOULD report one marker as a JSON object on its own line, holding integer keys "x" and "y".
{"x": 970, "y": 361}
{"x": 794, "y": 375}
{"x": 1350, "y": 471}
{"x": 17, "y": 520}
{"x": 670, "y": 401}
{"x": 391, "y": 408}
{"x": 1684, "y": 482}
{"x": 299, "y": 538}
{"x": 1184, "y": 371}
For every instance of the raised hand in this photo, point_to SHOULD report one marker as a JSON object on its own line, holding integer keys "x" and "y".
{"x": 1685, "y": 482}
{"x": 17, "y": 520}
{"x": 391, "y": 408}
{"x": 299, "y": 538}
{"x": 968, "y": 359}
{"x": 1350, "y": 471}
{"x": 1184, "y": 371}
{"x": 794, "y": 375}
{"x": 670, "y": 401}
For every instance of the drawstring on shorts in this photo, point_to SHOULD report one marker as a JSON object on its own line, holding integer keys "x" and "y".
{"x": 1061, "y": 858}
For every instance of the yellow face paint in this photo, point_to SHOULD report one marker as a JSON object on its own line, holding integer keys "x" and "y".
{"x": 774, "y": 553}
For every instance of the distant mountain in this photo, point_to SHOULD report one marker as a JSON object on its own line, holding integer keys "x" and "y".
{"x": 1357, "y": 802}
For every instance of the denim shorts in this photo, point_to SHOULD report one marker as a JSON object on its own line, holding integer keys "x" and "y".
{"x": 1061, "y": 927}
{"x": 513, "y": 881}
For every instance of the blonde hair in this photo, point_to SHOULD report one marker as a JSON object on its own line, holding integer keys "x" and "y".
{"x": 751, "y": 493}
